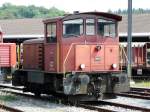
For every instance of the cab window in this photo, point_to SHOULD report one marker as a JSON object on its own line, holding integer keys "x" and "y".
{"x": 51, "y": 33}
{"x": 72, "y": 28}
{"x": 106, "y": 28}
{"x": 90, "y": 27}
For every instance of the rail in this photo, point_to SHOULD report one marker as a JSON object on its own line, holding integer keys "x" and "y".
{"x": 140, "y": 93}
{"x": 97, "y": 104}
{"x": 140, "y": 89}
{"x": 10, "y": 109}
{"x": 135, "y": 95}
{"x": 99, "y": 109}
{"x": 10, "y": 87}
{"x": 92, "y": 105}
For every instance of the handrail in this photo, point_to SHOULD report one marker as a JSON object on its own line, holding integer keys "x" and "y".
{"x": 120, "y": 54}
{"x": 124, "y": 53}
{"x": 64, "y": 63}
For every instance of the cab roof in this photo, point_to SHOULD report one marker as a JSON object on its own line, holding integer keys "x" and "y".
{"x": 103, "y": 14}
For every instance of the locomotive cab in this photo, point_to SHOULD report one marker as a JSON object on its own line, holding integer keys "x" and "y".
{"x": 80, "y": 57}
{"x": 88, "y": 40}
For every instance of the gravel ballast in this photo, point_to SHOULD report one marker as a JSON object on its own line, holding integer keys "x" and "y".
{"x": 33, "y": 105}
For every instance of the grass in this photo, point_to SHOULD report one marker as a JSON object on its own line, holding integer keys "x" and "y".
{"x": 7, "y": 97}
{"x": 141, "y": 84}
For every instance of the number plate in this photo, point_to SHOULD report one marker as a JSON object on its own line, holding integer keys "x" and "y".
{"x": 97, "y": 58}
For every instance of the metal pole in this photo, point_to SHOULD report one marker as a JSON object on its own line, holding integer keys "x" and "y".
{"x": 129, "y": 69}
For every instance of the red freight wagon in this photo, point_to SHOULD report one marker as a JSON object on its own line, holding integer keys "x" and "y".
{"x": 1, "y": 35}
{"x": 7, "y": 55}
{"x": 7, "y": 58}
{"x": 79, "y": 57}
{"x": 140, "y": 57}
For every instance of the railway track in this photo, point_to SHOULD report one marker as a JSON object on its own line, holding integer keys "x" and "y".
{"x": 141, "y": 93}
{"x": 97, "y": 105}
{"x": 92, "y": 105}
{"x": 99, "y": 109}
{"x": 10, "y": 87}
{"x": 140, "y": 89}
{"x": 47, "y": 99}
{"x": 9, "y": 109}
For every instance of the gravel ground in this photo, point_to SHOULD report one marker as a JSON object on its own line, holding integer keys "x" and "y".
{"x": 33, "y": 105}
{"x": 119, "y": 109}
{"x": 3, "y": 110}
{"x": 132, "y": 101}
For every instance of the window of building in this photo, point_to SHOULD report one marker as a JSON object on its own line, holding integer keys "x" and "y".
{"x": 51, "y": 32}
{"x": 106, "y": 28}
{"x": 90, "y": 27}
{"x": 72, "y": 28}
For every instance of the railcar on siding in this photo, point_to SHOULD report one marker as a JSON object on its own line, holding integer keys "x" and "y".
{"x": 7, "y": 59}
{"x": 140, "y": 58}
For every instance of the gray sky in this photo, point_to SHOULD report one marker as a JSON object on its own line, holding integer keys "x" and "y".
{"x": 82, "y": 5}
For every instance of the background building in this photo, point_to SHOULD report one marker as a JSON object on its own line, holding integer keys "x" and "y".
{"x": 18, "y": 30}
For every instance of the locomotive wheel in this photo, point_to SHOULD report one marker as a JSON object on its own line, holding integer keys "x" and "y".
{"x": 92, "y": 91}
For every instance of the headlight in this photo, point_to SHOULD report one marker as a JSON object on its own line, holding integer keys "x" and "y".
{"x": 114, "y": 65}
{"x": 82, "y": 66}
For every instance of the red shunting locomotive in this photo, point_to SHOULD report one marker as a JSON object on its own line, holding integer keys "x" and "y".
{"x": 79, "y": 56}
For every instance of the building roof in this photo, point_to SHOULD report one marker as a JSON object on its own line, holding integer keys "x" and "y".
{"x": 22, "y": 28}
{"x": 141, "y": 24}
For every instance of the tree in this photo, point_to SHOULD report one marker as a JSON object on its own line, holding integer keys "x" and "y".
{"x": 9, "y": 11}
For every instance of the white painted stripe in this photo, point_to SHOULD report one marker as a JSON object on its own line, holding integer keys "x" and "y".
{"x": 23, "y": 36}
{"x": 135, "y": 34}
{"x": 134, "y": 44}
{"x": 42, "y": 35}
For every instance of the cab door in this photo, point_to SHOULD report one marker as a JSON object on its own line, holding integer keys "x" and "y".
{"x": 51, "y": 47}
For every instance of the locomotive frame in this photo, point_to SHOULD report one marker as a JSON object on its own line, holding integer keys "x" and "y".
{"x": 79, "y": 56}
